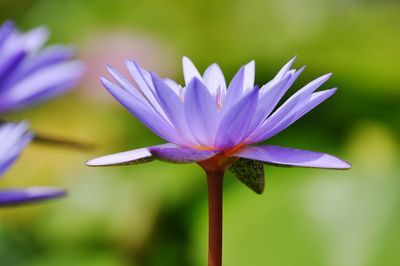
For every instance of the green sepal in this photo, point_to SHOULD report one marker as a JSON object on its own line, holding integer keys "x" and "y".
{"x": 250, "y": 173}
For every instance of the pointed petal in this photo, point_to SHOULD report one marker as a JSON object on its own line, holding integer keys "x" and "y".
{"x": 41, "y": 85}
{"x": 285, "y": 68}
{"x": 137, "y": 156}
{"x": 152, "y": 103}
{"x": 214, "y": 79}
{"x": 167, "y": 152}
{"x": 142, "y": 111}
{"x": 293, "y": 74}
{"x": 26, "y": 195}
{"x": 314, "y": 100}
{"x": 181, "y": 154}
{"x": 241, "y": 83}
{"x": 276, "y": 155}
{"x": 269, "y": 100}
{"x": 201, "y": 113}
{"x": 35, "y": 39}
{"x": 288, "y": 108}
{"x": 5, "y": 30}
{"x": 235, "y": 90}
{"x": 235, "y": 123}
{"x": 141, "y": 77}
{"x": 249, "y": 75}
{"x": 143, "y": 80}
{"x": 9, "y": 62}
{"x": 250, "y": 173}
{"x": 124, "y": 82}
{"x": 46, "y": 57}
{"x": 189, "y": 70}
{"x": 13, "y": 139}
{"x": 174, "y": 86}
{"x": 173, "y": 107}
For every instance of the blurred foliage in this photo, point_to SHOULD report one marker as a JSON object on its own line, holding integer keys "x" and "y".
{"x": 156, "y": 214}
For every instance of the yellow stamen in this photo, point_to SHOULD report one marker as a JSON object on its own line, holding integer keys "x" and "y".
{"x": 204, "y": 148}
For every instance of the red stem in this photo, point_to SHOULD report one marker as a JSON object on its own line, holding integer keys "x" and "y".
{"x": 215, "y": 181}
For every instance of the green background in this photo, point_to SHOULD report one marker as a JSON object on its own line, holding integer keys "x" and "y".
{"x": 156, "y": 213}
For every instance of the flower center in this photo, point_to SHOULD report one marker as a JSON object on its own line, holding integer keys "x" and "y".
{"x": 233, "y": 150}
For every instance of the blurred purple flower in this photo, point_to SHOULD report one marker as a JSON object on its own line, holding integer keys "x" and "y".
{"x": 30, "y": 73}
{"x": 206, "y": 120}
{"x": 13, "y": 139}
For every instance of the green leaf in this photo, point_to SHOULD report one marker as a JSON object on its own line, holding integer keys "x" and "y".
{"x": 250, "y": 173}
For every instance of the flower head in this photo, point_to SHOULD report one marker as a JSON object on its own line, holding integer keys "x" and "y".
{"x": 212, "y": 123}
{"x": 30, "y": 73}
{"x": 13, "y": 139}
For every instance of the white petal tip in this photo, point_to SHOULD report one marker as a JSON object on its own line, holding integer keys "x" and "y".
{"x": 98, "y": 162}
{"x": 93, "y": 162}
{"x": 342, "y": 165}
{"x": 302, "y": 68}
{"x": 104, "y": 80}
{"x": 347, "y": 166}
{"x": 122, "y": 158}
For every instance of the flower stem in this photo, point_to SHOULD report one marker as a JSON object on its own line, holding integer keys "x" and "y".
{"x": 215, "y": 181}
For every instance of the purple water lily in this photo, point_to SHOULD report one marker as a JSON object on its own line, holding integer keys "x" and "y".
{"x": 13, "y": 139}
{"x": 205, "y": 118}
{"x": 30, "y": 73}
{"x": 213, "y": 124}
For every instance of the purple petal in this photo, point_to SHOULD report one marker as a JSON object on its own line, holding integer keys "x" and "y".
{"x": 314, "y": 100}
{"x": 141, "y": 77}
{"x": 167, "y": 152}
{"x": 288, "y": 108}
{"x": 145, "y": 83}
{"x": 26, "y": 195}
{"x": 34, "y": 39}
{"x": 282, "y": 72}
{"x": 131, "y": 89}
{"x": 268, "y": 100}
{"x": 28, "y": 73}
{"x": 7, "y": 162}
{"x": 201, "y": 113}
{"x": 240, "y": 84}
{"x": 189, "y": 70}
{"x": 292, "y": 157}
{"x": 181, "y": 154}
{"x": 249, "y": 75}
{"x": 13, "y": 138}
{"x": 125, "y": 84}
{"x": 272, "y": 92}
{"x": 43, "y": 84}
{"x": 123, "y": 158}
{"x": 293, "y": 74}
{"x": 174, "y": 86}
{"x": 214, "y": 79}
{"x": 235, "y": 123}
{"x": 9, "y": 62}
{"x": 235, "y": 90}
{"x": 142, "y": 111}
{"x": 47, "y": 57}
{"x": 5, "y": 30}
{"x": 173, "y": 107}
